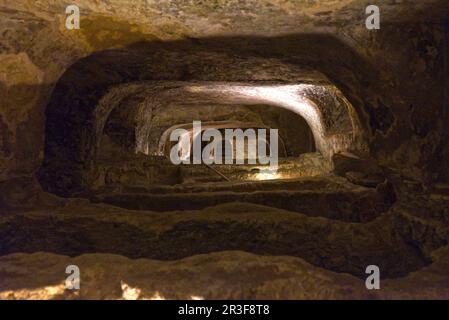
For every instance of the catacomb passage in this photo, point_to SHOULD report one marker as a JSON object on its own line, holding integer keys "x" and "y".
{"x": 353, "y": 121}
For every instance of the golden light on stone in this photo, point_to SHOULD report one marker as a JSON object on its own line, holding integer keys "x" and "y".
{"x": 267, "y": 176}
{"x": 355, "y": 94}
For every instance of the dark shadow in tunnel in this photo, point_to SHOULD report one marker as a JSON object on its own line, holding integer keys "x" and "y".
{"x": 70, "y": 132}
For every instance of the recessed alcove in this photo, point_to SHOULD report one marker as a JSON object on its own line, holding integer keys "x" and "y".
{"x": 87, "y": 176}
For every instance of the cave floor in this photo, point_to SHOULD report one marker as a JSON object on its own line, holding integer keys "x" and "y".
{"x": 312, "y": 239}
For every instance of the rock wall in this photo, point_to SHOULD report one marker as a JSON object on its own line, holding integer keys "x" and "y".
{"x": 395, "y": 77}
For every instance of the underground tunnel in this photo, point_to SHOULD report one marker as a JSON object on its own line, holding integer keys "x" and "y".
{"x": 354, "y": 118}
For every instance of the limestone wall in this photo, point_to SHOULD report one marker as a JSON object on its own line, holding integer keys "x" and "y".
{"x": 394, "y": 77}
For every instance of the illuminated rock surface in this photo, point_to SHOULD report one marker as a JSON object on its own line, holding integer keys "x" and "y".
{"x": 85, "y": 177}
{"x": 223, "y": 275}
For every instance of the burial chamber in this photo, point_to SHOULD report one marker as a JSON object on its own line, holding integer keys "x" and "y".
{"x": 134, "y": 84}
{"x": 86, "y": 177}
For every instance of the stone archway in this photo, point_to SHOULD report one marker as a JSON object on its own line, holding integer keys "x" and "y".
{"x": 78, "y": 110}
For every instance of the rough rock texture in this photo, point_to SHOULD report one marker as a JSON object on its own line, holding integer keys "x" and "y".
{"x": 326, "y": 197}
{"x": 116, "y": 170}
{"x": 211, "y": 276}
{"x": 379, "y": 97}
{"x": 407, "y": 52}
{"x": 73, "y": 139}
{"x": 408, "y": 242}
{"x": 295, "y": 135}
{"x": 397, "y": 241}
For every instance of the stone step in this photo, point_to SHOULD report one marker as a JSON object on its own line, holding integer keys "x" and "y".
{"x": 356, "y": 205}
{"x": 328, "y": 182}
{"x": 334, "y": 245}
{"x": 441, "y": 189}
